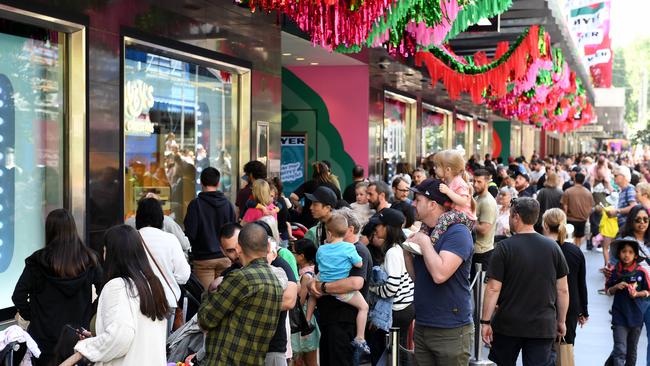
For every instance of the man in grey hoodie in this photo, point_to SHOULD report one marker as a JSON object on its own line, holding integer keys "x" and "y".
{"x": 205, "y": 216}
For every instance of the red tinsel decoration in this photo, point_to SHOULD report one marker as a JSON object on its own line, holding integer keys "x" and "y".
{"x": 496, "y": 79}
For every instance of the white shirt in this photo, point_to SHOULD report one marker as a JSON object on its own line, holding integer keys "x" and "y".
{"x": 125, "y": 336}
{"x": 399, "y": 286}
{"x": 168, "y": 254}
{"x": 169, "y": 226}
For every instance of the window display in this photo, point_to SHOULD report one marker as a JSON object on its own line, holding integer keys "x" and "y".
{"x": 179, "y": 118}
{"x": 398, "y": 115}
{"x": 433, "y": 131}
{"x": 31, "y": 142}
{"x": 461, "y": 126}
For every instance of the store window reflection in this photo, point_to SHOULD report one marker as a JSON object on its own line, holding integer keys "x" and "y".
{"x": 460, "y": 134}
{"x": 399, "y": 113}
{"x": 31, "y": 142}
{"x": 178, "y": 119}
{"x": 433, "y": 131}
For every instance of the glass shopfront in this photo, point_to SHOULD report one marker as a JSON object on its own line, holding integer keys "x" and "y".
{"x": 481, "y": 134}
{"x": 180, "y": 116}
{"x": 461, "y": 128}
{"x": 33, "y": 99}
{"x": 434, "y": 130}
{"x": 399, "y": 120}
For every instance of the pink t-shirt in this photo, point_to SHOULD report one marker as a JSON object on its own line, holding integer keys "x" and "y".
{"x": 461, "y": 188}
{"x": 254, "y": 214}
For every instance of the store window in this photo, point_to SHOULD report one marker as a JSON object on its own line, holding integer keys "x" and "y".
{"x": 434, "y": 130}
{"x": 515, "y": 143}
{"x": 399, "y": 114}
{"x": 461, "y": 126}
{"x": 32, "y": 104}
{"x": 480, "y": 144}
{"x": 180, "y": 116}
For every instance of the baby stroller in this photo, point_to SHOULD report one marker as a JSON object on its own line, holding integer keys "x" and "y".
{"x": 12, "y": 354}
{"x": 16, "y": 345}
{"x": 192, "y": 291}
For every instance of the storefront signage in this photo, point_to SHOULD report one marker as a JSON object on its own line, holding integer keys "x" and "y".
{"x": 293, "y": 167}
{"x": 590, "y": 129}
{"x": 138, "y": 100}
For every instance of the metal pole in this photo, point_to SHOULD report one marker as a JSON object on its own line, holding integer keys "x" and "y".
{"x": 394, "y": 347}
{"x": 478, "y": 306}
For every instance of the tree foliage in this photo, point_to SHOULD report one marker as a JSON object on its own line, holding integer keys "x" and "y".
{"x": 628, "y": 66}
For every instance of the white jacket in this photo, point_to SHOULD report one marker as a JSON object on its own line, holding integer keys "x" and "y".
{"x": 168, "y": 254}
{"x": 125, "y": 336}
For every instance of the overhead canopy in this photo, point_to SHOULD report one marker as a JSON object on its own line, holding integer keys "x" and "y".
{"x": 521, "y": 15}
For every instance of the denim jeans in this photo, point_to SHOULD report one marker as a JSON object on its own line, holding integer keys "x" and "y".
{"x": 625, "y": 342}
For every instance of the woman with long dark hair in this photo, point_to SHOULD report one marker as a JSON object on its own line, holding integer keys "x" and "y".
{"x": 131, "y": 317}
{"x": 636, "y": 228}
{"x": 399, "y": 286}
{"x": 55, "y": 287}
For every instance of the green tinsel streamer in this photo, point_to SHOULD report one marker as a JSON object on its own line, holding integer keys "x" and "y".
{"x": 457, "y": 66}
{"x": 471, "y": 13}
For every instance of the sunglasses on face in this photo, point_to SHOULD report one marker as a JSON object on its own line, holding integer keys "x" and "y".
{"x": 644, "y": 220}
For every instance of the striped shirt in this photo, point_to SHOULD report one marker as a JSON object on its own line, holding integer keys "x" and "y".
{"x": 399, "y": 286}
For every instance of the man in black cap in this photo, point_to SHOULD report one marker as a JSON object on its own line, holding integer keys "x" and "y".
{"x": 323, "y": 201}
{"x": 443, "y": 300}
{"x": 522, "y": 185}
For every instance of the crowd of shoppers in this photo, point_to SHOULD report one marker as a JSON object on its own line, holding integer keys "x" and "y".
{"x": 397, "y": 253}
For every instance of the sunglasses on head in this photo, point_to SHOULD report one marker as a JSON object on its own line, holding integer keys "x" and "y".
{"x": 644, "y": 220}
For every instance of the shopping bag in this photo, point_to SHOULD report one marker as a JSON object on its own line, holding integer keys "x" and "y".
{"x": 564, "y": 353}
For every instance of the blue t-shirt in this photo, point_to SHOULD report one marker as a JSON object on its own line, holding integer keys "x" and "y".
{"x": 336, "y": 260}
{"x": 448, "y": 305}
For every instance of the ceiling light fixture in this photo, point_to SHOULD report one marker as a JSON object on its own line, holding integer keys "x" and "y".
{"x": 286, "y": 54}
{"x": 313, "y": 63}
{"x": 300, "y": 59}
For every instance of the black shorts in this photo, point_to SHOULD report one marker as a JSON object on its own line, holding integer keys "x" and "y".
{"x": 579, "y": 228}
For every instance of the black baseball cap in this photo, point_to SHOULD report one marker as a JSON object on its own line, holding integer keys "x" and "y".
{"x": 518, "y": 173}
{"x": 388, "y": 216}
{"x": 323, "y": 195}
{"x": 576, "y": 169}
{"x": 430, "y": 188}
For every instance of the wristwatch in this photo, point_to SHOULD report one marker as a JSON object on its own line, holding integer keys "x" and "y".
{"x": 322, "y": 287}
{"x": 485, "y": 322}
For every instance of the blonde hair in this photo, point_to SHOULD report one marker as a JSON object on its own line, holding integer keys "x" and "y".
{"x": 554, "y": 220}
{"x": 262, "y": 192}
{"x": 455, "y": 161}
{"x": 552, "y": 180}
{"x": 644, "y": 188}
{"x": 451, "y": 159}
{"x": 337, "y": 225}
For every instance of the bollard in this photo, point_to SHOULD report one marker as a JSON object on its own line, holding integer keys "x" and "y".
{"x": 393, "y": 339}
{"x": 478, "y": 307}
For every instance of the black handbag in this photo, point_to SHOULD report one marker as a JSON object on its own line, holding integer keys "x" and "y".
{"x": 297, "y": 318}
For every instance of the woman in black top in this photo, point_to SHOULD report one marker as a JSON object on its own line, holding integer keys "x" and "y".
{"x": 55, "y": 287}
{"x": 322, "y": 176}
{"x": 554, "y": 224}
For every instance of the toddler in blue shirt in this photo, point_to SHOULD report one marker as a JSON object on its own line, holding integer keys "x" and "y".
{"x": 335, "y": 259}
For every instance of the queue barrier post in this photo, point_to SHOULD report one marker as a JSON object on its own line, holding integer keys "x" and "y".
{"x": 478, "y": 360}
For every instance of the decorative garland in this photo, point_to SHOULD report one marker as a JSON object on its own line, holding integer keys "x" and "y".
{"x": 473, "y": 12}
{"x": 330, "y": 23}
{"x": 475, "y": 79}
{"x": 528, "y": 81}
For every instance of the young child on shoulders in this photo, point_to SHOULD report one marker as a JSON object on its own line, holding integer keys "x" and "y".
{"x": 450, "y": 168}
{"x": 627, "y": 282}
{"x": 335, "y": 259}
